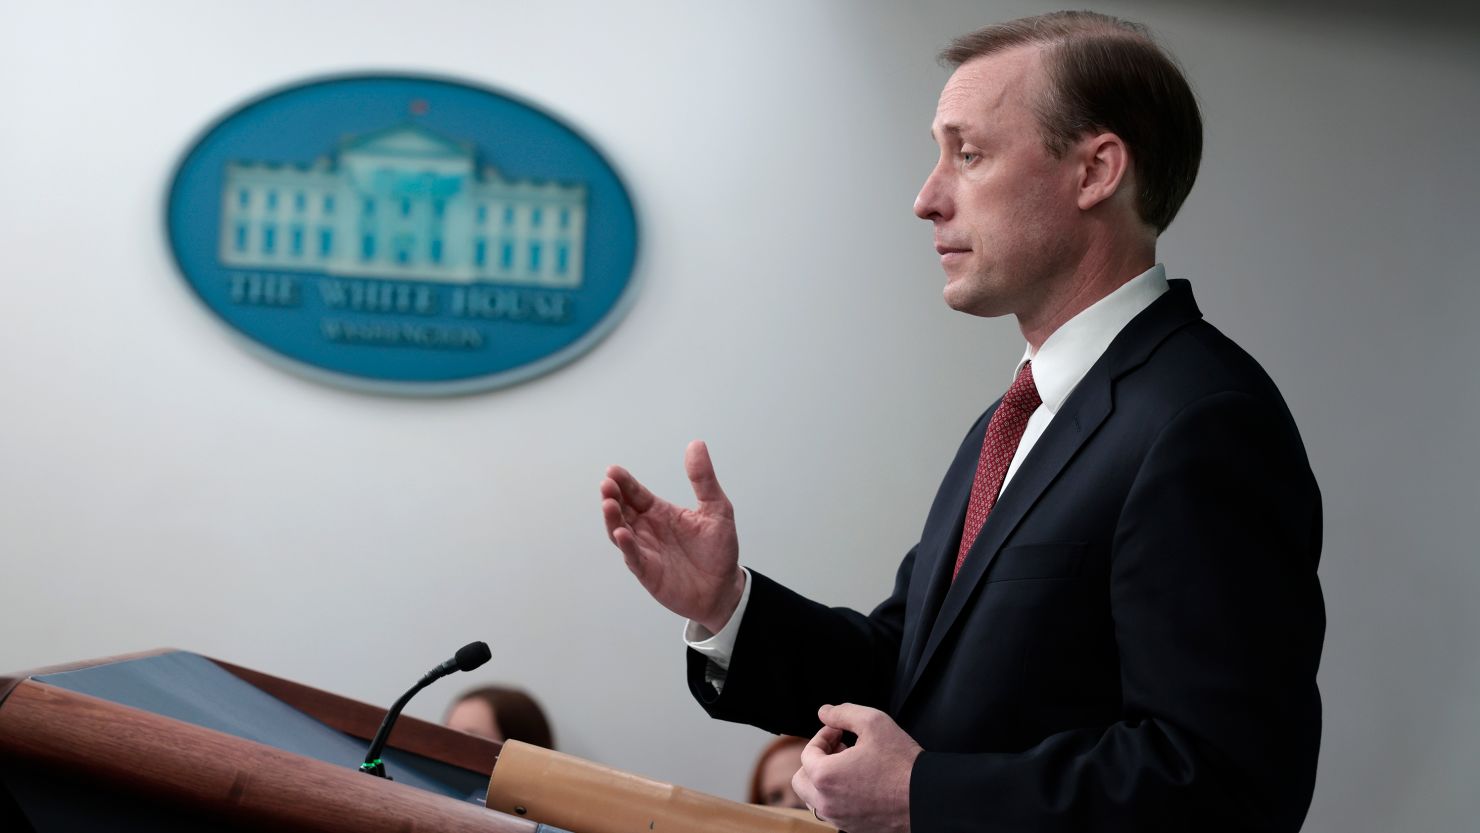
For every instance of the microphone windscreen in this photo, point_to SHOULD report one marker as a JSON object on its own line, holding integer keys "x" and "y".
{"x": 472, "y": 655}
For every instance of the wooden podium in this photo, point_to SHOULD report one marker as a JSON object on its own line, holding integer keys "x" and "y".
{"x": 77, "y": 761}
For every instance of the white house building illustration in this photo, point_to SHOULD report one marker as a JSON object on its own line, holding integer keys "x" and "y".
{"x": 403, "y": 203}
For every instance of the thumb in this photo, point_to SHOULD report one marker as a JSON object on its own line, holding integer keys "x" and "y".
{"x": 849, "y": 717}
{"x": 700, "y": 469}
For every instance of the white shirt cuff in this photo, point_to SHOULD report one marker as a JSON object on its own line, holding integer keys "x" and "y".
{"x": 719, "y": 647}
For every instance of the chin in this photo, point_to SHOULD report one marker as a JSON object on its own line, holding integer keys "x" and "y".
{"x": 960, "y": 300}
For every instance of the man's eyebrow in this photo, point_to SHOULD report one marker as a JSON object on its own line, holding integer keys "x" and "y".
{"x": 950, "y": 127}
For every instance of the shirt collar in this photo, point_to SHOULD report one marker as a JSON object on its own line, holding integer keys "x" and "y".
{"x": 1074, "y": 347}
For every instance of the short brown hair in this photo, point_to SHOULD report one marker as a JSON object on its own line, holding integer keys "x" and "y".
{"x": 1109, "y": 74}
{"x": 517, "y": 715}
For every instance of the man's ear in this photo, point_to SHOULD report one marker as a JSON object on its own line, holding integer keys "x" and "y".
{"x": 1105, "y": 162}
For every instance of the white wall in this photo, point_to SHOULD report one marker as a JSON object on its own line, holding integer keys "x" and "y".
{"x": 159, "y": 486}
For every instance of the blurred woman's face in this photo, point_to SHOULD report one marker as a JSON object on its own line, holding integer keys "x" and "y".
{"x": 475, "y": 716}
{"x": 776, "y": 775}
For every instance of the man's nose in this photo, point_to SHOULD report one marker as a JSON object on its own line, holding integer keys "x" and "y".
{"x": 932, "y": 203}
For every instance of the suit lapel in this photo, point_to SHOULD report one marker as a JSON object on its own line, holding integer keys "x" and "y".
{"x": 936, "y": 557}
{"x": 1075, "y": 423}
{"x": 1082, "y": 414}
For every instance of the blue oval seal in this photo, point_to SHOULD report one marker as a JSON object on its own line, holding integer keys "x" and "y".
{"x": 404, "y": 234}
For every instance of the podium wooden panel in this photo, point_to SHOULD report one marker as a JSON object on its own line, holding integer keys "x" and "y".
{"x": 91, "y": 743}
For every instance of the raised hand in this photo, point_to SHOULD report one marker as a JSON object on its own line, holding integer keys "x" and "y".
{"x": 688, "y": 559}
{"x": 864, "y": 788}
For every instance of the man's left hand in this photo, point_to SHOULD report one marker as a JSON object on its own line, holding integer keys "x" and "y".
{"x": 864, "y": 788}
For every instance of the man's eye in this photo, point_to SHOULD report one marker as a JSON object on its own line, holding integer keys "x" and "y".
{"x": 968, "y": 158}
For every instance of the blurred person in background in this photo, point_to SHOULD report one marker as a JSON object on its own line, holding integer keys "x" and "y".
{"x": 500, "y": 713}
{"x": 770, "y": 782}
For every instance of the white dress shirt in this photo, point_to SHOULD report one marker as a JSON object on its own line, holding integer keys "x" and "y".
{"x": 1059, "y": 365}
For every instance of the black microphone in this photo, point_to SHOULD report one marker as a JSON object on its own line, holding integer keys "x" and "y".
{"x": 468, "y": 657}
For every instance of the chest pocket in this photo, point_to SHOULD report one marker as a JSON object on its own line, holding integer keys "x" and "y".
{"x": 1038, "y": 561}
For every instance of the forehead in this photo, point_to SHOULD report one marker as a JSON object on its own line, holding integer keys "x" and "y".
{"x": 991, "y": 87}
{"x": 782, "y": 762}
{"x": 474, "y": 709}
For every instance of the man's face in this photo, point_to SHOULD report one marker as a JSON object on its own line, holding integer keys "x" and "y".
{"x": 1003, "y": 207}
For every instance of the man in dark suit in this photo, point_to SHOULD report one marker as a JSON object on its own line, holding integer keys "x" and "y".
{"x": 1112, "y": 619}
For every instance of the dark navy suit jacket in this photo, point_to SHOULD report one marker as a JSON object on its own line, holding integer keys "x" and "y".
{"x": 1132, "y": 643}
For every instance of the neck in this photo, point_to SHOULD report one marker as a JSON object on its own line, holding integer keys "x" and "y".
{"x": 1095, "y": 275}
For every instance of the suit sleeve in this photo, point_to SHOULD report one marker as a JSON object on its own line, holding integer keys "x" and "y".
{"x": 1218, "y": 623}
{"x": 792, "y": 655}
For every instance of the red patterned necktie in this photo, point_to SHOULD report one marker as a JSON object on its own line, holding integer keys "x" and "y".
{"x": 1004, "y": 433}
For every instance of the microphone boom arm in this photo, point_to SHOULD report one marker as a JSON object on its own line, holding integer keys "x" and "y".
{"x": 468, "y": 657}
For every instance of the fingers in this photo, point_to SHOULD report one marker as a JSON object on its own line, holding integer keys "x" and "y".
{"x": 700, "y": 469}
{"x": 631, "y": 496}
{"x": 611, "y": 515}
{"x": 611, "y": 492}
{"x": 628, "y": 490}
{"x": 816, "y": 750}
{"x": 617, "y": 510}
{"x": 802, "y": 785}
{"x": 611, "y": 508}
{"x": 827, "y": 741}
{"x": 622, "y": 536}
{"x": 816, "y": 764}
{"x": 619, "y": 527}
